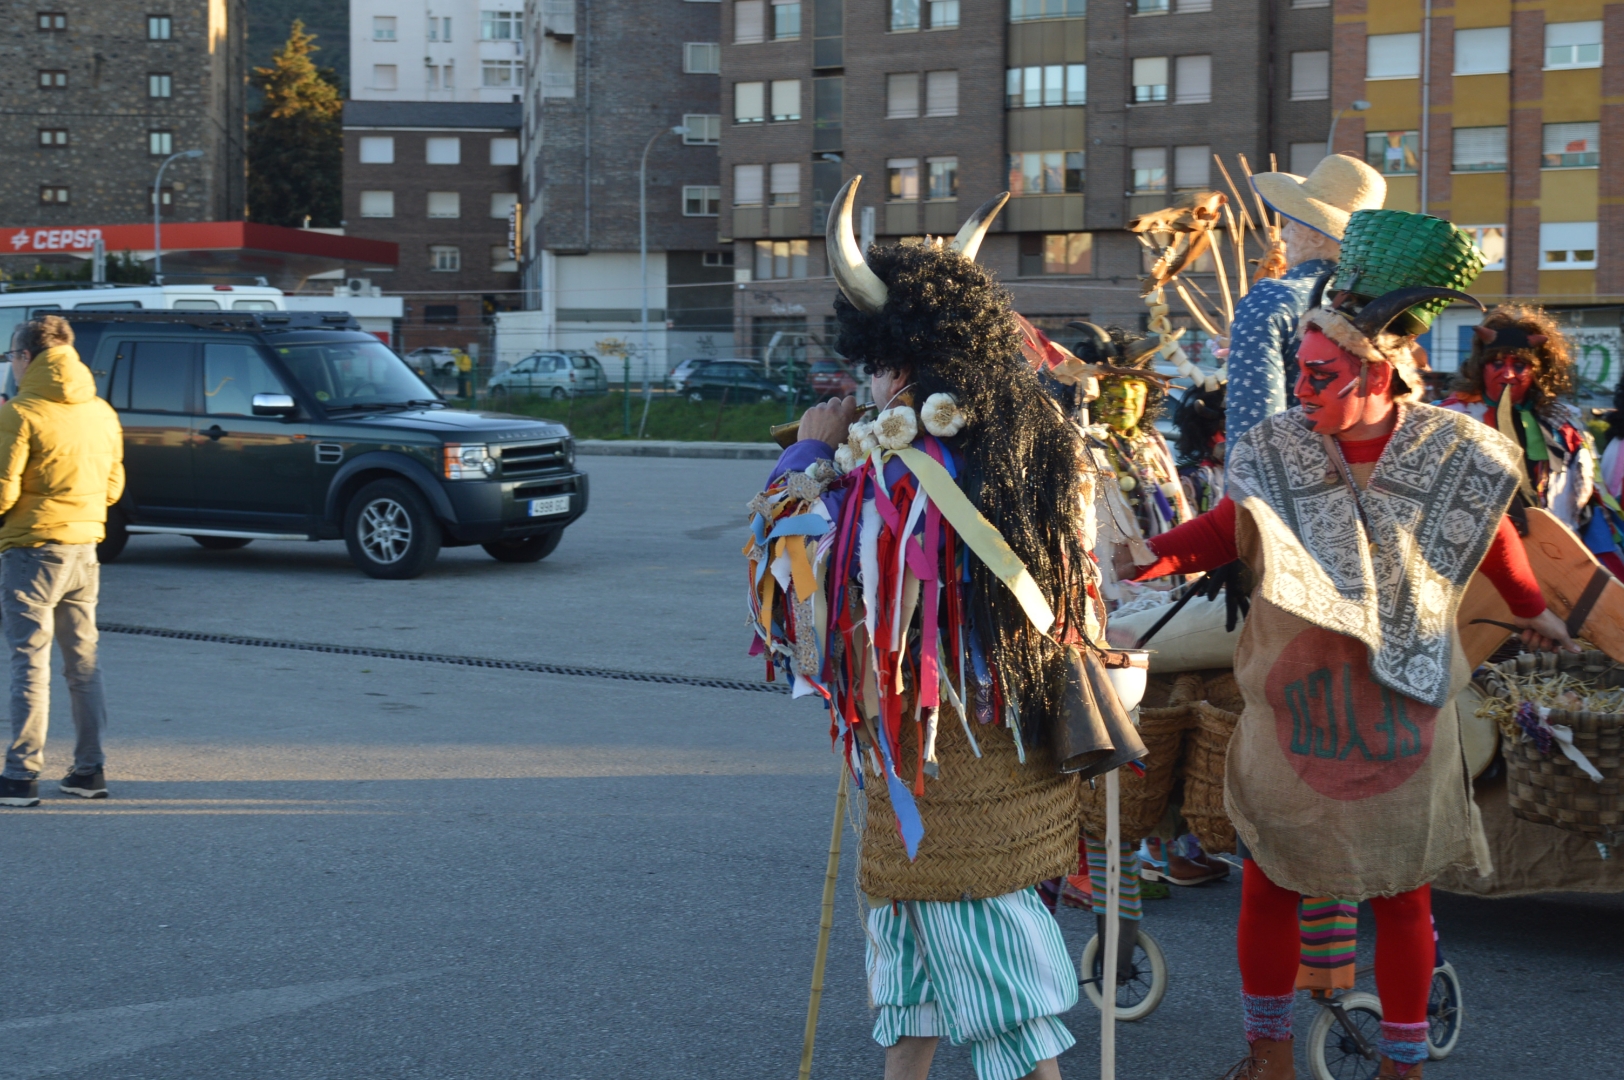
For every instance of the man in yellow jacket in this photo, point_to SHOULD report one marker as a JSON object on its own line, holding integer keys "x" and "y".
{"x": 61, "y": 467}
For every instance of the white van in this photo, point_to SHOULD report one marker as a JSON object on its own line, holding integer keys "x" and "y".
{"x": 19, "y": 304}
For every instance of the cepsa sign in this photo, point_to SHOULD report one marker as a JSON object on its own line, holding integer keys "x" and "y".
{"x": 55, "y": 239}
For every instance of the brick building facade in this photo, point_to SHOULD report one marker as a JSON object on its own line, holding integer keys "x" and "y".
{"x": 440, "y": 179}
{"x": 99, "y": 92}
{"x": 1087, "y": 116}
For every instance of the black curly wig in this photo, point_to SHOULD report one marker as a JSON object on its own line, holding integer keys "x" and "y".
{"x": 1200, "y": 420}
{"x": 949, "y": 324}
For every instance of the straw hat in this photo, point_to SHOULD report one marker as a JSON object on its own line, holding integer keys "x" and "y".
{"x": 1323, "y": 200}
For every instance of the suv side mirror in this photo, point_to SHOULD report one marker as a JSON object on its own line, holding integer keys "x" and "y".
{"x": 275, "y": 405}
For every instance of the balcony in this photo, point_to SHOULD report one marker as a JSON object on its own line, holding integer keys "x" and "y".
{"x": 751, "y": 222}
{"x": 1045, "y": 213}
{"x": 558, "y": 19}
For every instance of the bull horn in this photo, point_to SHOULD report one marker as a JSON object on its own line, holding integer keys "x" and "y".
{"x": 968, "y": 241}
{"x": 1099, "y": 344}
{"x": 861, "y": 285}
{"x": 1374, "y": 317}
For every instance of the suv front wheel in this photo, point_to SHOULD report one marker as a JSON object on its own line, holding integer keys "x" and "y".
{"x": 390, "y": 530}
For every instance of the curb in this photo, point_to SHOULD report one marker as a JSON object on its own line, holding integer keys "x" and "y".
{"x": 675, "y": 449}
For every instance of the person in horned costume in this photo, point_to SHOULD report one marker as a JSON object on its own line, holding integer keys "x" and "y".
{"x": 1362, "y": 515}
{"x": 909, "y": 572}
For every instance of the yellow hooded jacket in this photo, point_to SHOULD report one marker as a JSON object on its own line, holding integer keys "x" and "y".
{"x": 61, "y": 455}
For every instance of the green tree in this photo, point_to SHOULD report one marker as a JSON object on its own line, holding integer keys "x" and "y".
{"x": 296, "y": 139}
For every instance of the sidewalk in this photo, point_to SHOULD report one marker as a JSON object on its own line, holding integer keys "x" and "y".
{"x": 654, "y": 448}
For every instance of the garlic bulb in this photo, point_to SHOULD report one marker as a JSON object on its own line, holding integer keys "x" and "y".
{"x": 896, "y": 427}
{"x": 942, "y": 415}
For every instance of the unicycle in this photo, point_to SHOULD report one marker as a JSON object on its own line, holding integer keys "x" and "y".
{"x": 1140, "y": 988}
{"x": 1444, "y": 1011}
{"x": 1342, "y": 1039}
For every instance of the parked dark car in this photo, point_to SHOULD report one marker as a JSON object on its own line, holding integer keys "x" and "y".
{"x": 830, "y": 378}
{"x": 740, "y": 380}
{"x": 299, "y": 426}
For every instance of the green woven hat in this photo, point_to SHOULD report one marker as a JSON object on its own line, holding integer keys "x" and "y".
{"x": 1384, "y": 250}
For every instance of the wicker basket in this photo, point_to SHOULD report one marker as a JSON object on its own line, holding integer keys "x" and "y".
{"x": 1145, "y": 798}
{"x": 1205, "y": 757}
{"x": 1384, "y": 250}
{"x": 1549, "y": 788}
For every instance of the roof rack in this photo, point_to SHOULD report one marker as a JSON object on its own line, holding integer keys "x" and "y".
{"x": 261, "y": 321}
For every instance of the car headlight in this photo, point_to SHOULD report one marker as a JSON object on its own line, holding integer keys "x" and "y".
{"x": 569, "y": 452}
{"x": 468, "y": 461}
{"x": 784, "y": 387}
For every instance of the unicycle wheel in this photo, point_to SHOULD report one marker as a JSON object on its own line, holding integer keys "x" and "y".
{"x": 1333, "y": 1053}
{"x": 1444, "y": 1012}
{"x": 1140, "y": 989}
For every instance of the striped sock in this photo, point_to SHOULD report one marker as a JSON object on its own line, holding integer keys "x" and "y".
{"x": 1266, "y": 1017}
{"x": 1132, "y": 906}
{"x": 1329, "y": 929}
{"x": 1406, "y": 1044}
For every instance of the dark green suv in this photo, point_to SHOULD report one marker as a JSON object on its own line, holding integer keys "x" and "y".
{"x": 299, "y": 426}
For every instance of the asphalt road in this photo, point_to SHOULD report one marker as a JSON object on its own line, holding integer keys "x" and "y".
{"x": 319, "y": 865}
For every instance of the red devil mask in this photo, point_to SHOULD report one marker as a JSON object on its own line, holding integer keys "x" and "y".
{"x": 1504, "y": 369}
{"x": 1328, "y": 386}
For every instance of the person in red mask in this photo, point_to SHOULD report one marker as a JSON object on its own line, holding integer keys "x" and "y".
{"x": 1361, "y": 515}
{"x": 1519, "y": 367}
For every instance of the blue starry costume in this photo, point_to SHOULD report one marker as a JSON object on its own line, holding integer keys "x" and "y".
{"x": 1260, "y": 343}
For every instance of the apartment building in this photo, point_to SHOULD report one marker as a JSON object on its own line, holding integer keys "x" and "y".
{"x": 610, "y": 82}
{"x": 99, "y": 93}
{"x": 441, "y": 180}
{"x": 1519, "y": 143}
{"x": 449, "y": 50}
{"x": 1087, "y": 117}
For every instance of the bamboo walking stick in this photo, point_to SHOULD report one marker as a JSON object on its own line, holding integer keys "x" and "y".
{"x": 825, "y": 924}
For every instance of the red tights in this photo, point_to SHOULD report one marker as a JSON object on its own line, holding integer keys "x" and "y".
{"x": 1268, "y": 942}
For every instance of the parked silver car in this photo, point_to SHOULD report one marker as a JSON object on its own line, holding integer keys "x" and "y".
{"x": 432, "y": 360}
{"x": 555, "y": 375}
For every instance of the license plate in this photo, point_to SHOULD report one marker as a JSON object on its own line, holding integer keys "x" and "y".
{"x": 558, "y": 504}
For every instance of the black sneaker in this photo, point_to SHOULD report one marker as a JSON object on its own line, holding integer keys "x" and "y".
{"x": 87, "y": 785}
{"x": 18, "y": 792}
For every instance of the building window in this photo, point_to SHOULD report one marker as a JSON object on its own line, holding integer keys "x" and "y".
{"x": 944, "y": 14}
{"x": 377, "y": 149}
{"x": 784, "y": 184}
{"x": 444, "y": 258}
{"x": 786, "y": 100}
{"x": 1571, "y": 146}
{"x": 1150, "y": 170}
{"x": 1056, "y": 253}
{"x": 384, "y": 77}
{"x": 502, "y": 260}
{"x": 1310, "y": 3}
{"x": 1491, "y": 241}
{"x": 702, "y": 58}
{"x": 160, "y": 143}
{"x": 749, "y": 102}
{"x": 1305, "y": 155}
{"x": 505, "y": 74}
{"x": 165, "y": 200}
{"x": 502, "y": 204}
{"x": 445, "y": 204}
{"x": 1053, "y": 84}
{"x": 383, "y": 28}
{"x": 781, "y": 259}
{"x": 904, "y": 14}
{"x": 441, "y": 314}
{"x": 1149, "y": 80}
{"x": 1192, "y": 167}
{"x": 160, "y": 85}
{"x": 53, "y": 136}
{"x": 501, "y": 26}
{"x": 53, "y": 79}
{"x": 1394, "y": 153}
{"x": 1567, "y": 245}
{"x": 439, "y": 28}
{"x": 749, "y": 22}
{"x": 442, "y": 150}
{"x": 902, "y": 95}
{"x": 1310, "y": 76}
{"x": 1572, "y": 45}
{"x": 704, "y": 129}
{"x": 786, "y": 19}
{"x": 717, "y": 258}
{"x": 749, "y": 185}
{"x": 1150, "y": 7}
{"x": 378, "y": 204}
{"x": 53, "y": 194}
{"x": 701, "y": 200}
{"x": 902, "y": 179}
{"x": 1480, "y": 149}
{"x": 1046, "y": 172}
{"x": 1188, "y": 7}
{"x": 159, "y": 28}
{"x": 1483, "y": 51}
{"x": 1193, "y": 85}
{"x": 1393, "y": 56}
{"x": 504, "y": 151}
{"x": 941, "y": 93}
{"x": 941, "y": 178}
{"x": 51, "y": 21}
{"x": 1025, "y": 10}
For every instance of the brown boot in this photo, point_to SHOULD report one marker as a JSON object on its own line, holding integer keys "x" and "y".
{"x": 1389, "y": 1070}
{"x": 1268, "y": 1060}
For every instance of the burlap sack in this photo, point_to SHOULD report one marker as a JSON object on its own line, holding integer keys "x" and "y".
{"x": 992, "y": 825}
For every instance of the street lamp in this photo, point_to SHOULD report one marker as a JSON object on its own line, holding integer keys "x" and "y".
{"x": 1330, "y": 140}
{"x": 642, "y": 254}
{"x": 157, "y": 214}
